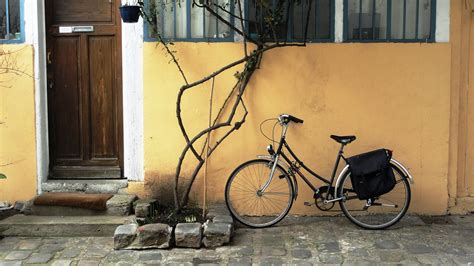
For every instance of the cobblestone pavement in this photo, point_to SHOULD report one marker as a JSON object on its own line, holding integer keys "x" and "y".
{"x": 298, "y": 240}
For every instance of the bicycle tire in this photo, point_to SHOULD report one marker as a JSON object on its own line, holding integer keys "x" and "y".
{"x": 243, "y": 201}
{"x": 376, "y": 218}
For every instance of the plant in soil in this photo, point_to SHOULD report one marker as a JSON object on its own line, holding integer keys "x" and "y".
{"x": 167, "y": 214}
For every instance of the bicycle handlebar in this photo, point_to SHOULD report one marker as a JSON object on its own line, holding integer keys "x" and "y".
{"x": 285, "y": 118}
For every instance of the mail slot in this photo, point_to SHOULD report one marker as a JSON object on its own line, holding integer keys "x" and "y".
{"x": 83, "y": 29}
{"x": 76, "y": 29}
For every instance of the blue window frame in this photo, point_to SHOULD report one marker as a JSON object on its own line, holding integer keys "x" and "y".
{"x": 389, "y": 20}
{"x": 11, "y": 21}
{"x": 320, "y": 24}
{"x": 178, "y": 20}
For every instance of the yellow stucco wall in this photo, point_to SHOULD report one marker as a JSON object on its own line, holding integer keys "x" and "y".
{"x": 17, "y": 127}
{"x": 389, "y": 95}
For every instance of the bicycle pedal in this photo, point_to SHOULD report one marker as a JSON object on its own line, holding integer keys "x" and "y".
{"x": 309, "y": 204}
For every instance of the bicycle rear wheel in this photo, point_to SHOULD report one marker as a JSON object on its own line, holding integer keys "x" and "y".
{"x": 384, "y": 211}
{"x": 251, "y": 207}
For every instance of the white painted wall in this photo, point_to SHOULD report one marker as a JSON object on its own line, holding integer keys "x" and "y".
{"x": 35, "y": 35}
{"x": 442, "y": 20}
{"x": 132, "y": 75}
{"x": 132, "y": 52}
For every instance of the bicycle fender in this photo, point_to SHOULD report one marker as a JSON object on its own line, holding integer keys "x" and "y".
{"x": 338, "y": 180}
{"x": 393, "y": 162}
{"x": 284, "y": 165}
{"x": 403, "y": 170}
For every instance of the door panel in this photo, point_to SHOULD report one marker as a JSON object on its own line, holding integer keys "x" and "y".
{"x": 85, "y": 89}
{"x": 103, "y": 137}
{"x": 67, "y": 98}
{"x": 82, "y": 11}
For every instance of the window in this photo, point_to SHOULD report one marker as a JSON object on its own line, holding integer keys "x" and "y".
{"x": 390, "y": 20}
{"x": 11, "y": 25}
{"x": 179, "y": 20}
{"x": 320, "y": 24}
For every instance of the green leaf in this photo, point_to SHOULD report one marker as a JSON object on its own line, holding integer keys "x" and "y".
{"x": 2, "y": 176}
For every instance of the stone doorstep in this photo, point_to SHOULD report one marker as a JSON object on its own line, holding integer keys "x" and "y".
{"x": 57, "y": 226}
{"x": 87, "y": 186}
{"x": 118, "y": 205}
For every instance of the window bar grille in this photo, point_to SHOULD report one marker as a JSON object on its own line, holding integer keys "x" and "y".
{"x": 290, "y": 13}
{"x": 303, "y": 17}
{"x": 373, "y": 19}
{"x": 7, "y": 14}
{"x": 404, "y": 18}
{"x": 360, "y": 19}
{"x": 389, "y": 19}
{"x": 174, "y": 18}
{"x": 162, "y": 15}
{"x": 433, "y": 20}
{"x": 204, "y": 31}
{"x": 316, "y": 10}
{"x": 417, "y": 18}
{"x": 217, "y": 20}
{"x": 189, "y": 19}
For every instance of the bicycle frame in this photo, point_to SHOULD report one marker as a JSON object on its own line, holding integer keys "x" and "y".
{"x": 296, "y": 164}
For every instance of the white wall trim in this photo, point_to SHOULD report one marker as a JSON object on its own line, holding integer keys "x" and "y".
{"x": 339, "y": 21}
{"x": 443, "y": 8}
{"x": 35, "y": 35}
{"x": 132, "y": 75}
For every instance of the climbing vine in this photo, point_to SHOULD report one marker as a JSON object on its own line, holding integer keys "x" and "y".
{"x": 271, "y": 26}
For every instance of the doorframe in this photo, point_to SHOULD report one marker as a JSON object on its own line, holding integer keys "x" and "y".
{"x": 132, "y": 94}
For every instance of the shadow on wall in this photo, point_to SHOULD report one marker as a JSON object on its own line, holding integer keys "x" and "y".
{"x": 160, "y": 187}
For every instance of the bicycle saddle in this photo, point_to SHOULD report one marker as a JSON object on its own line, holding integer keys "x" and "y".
{"x": 343, "y": 139}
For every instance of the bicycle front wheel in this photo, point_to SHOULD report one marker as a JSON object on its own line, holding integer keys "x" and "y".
{"x": 248, "y": 204}
{"x": 382, "y": 211}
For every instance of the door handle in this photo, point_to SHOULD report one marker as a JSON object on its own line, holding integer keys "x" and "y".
{"x": 48, "y": 58}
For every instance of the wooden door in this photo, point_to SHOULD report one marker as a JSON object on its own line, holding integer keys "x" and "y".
{"x": 84, "y": 88}
{"x": 466, "y": 181}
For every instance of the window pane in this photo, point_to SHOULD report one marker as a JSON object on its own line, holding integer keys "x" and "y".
{"x": 180, "y": 15}
{"x": 10, "y": 28}
{"x": 380, "y": 29}
{"x": 197, "y": 22}
{"x": 319, "y": 24}
{"x": 364, "y": 21}
{"x": 252, "y": 17}
{"x": 281, "y": 8}
{"x": 354, "y": 11}
{"x": 298, "y": 20}
{"x": 323, "y": 19}
{"x": 410, "y": 26}
{"x": 224, "y": 11}
{"x": 211, "y": 25}
{"x": 410, "y": 19}
{"x": 165, "y": 17}
{"x": 424, "y": 28}
{"x": 397, "y": 19}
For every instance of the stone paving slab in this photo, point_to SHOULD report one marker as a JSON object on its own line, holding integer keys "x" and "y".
{"x": 296, "y": 241}
{"x": 37, "y": 226}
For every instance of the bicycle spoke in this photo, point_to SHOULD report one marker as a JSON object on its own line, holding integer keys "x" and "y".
{"x": 245, "y": 203}
{"x": 383, "y": 211}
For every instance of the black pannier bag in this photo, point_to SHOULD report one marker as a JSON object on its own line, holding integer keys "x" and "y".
{"x": 371, "y": 174}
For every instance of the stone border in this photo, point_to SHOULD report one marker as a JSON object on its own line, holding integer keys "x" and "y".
{"x": 215, "y": 232}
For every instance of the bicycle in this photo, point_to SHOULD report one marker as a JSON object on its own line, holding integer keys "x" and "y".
{"x": 259, "y": 193}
